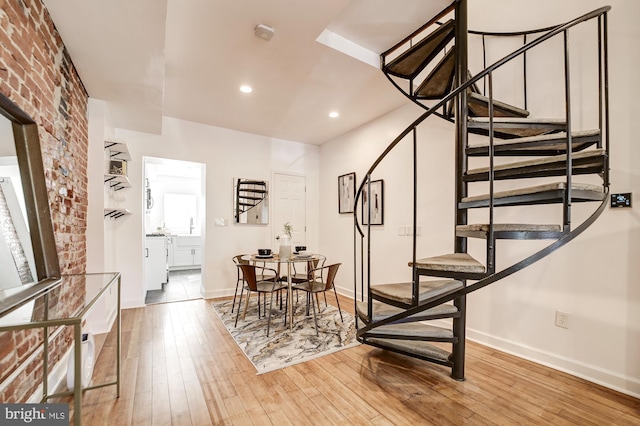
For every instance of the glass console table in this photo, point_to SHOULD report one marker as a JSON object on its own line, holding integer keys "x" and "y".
{"x": 67, "y": 303}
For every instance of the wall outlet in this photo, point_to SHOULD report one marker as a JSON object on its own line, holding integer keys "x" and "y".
{"x": 562, "y": 319}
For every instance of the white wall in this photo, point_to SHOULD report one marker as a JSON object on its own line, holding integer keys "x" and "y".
{"x": 595, "y": 278}
{"x": 100, "y": 235}
{"x": 226, "y": 154}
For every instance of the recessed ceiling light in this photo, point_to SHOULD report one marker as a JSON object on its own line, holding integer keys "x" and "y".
{"x": 246, "y": 89}
{"x": 334, "y": 114}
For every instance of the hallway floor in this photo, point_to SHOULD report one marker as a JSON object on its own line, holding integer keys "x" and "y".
{"x": 182, "y": 285}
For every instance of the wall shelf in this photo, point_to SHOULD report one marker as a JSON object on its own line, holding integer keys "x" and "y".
{"x": 115, "y": 213}
{"x": 117, "y": 182}
{"x": 117, "y": 150}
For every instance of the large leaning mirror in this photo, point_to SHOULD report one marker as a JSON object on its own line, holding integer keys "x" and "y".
{"x": 28, "y": 257}
{"x": 250, "y": 201}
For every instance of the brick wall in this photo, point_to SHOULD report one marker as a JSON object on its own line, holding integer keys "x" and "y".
{"x": 37, "y": 74}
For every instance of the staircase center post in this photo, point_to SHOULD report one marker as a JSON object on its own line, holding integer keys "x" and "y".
{"x": 461, "y": 117}
{"x": 461, "y": 121}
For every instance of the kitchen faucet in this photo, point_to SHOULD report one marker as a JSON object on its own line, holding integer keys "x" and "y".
{"x": 191, "y": 225}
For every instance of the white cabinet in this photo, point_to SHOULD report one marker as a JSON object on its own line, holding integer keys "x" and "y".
{"x": 185, "y": 252}
{"x": 155, "y": 262}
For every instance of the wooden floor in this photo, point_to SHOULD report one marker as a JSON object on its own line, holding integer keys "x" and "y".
{"x": 181, "y": 367}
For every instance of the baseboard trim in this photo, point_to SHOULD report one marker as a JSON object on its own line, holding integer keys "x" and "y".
{"x": 609, "y": 379}
{"x": 132, "y": 303}
{"x": 213, "y": 294}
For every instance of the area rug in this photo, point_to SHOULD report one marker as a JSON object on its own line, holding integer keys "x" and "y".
{"x": 285, "y": 347}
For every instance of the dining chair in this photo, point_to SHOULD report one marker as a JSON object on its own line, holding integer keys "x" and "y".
{"x": 302, "y": 277}
{"x": 320, "y": 280}
{"x": 240, "y": 259}
{"x": 313, "y": 263}
{"x": 253, "y": 284}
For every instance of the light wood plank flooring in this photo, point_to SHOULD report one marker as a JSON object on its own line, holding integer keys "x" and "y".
{"x": 181, "y": 367}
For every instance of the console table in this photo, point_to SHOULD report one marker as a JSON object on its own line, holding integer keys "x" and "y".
{"x": 50, "y": 309}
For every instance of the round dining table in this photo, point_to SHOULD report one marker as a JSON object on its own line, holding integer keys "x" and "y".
{"x": 288, "y": 260}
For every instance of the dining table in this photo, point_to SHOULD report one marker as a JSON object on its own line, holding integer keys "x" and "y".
{"x": 289, "y": 261}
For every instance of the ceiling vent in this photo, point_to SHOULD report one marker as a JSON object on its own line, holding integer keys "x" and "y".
{"x": 265, "y": 32}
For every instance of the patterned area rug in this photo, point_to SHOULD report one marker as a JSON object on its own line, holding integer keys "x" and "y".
{"x": 286, "y": 347}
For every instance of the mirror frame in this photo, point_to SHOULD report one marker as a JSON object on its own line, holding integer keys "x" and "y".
{"x": 27, "y": 142}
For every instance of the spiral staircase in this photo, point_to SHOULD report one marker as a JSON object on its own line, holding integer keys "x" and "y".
{"x": 430, "y": 67}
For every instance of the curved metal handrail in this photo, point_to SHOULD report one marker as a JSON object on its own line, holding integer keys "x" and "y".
{"x": 555, "y": 31}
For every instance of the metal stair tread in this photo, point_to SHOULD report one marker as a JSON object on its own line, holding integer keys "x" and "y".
{"x": 524, "y": 231}
{"x": 516, "y": 120}
{"x": 541, "y": 194}
{"x": 529, "y": 140}
{"x": 498, "y": 105}
{"x": 515, "y": 127}
{"x": 414, "y": 329}
{"x": 401, "y": 292}
{"x": 382, "y": 311}
{"x": 414, "y": 59}
{"x": 439, "y": 81}
{"x": 536, "y": 189}
{"x": 455, "y": 262}
{"x": 509, "y": 227}
{"x": 594, "y": 153}
{"x": 416, "y": 347}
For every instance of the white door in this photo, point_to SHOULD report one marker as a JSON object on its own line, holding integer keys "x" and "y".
{"x": 289, "y": 205}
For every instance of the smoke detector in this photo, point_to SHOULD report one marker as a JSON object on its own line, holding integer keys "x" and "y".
{"x": 265, "y": 32}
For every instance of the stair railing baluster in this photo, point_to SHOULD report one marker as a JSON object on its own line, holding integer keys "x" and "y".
{"x": 484, "y": 63}
{"x": 606, "y": 98}
{"x": 524, "y": 71}
{"x": 368, "y": 213}
{"x": 569, "y": 167}
{"x": 600, "y": 81}
{"x": 415, "y": 297}
{"x": 490, "y": 237}
{"x": 362, "y": 268}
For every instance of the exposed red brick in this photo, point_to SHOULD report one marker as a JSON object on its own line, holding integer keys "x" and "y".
{"x": 29, "y": 46}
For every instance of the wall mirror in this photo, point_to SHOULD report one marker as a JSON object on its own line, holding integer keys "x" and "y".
{"x": 28, "y": 256}
{"x": 250, "y": 201}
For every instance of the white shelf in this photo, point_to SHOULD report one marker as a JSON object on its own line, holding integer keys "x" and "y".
{"x": 115, "y": 213}
{"x": 117, "y": 182}
{"x": 117, "y": 150}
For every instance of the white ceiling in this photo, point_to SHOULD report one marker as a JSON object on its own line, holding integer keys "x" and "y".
{"x": 187, "y": 58}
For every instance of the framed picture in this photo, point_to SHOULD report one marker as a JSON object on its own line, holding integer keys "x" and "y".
{"x": 251, "y": 201}
{"x": 117, "y": 167}
{"x": 346, "y": 192}
{"x": 373, "y": 203}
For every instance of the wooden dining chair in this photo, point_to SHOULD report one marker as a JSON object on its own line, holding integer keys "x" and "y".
{"x": 320, "y": 280}
{"x": 253, "y": 284}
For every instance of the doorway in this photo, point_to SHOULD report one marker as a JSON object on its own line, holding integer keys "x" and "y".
{"x": 174, "y": 206}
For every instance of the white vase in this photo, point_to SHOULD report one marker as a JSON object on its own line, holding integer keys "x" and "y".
{"x": 285, "y": 246}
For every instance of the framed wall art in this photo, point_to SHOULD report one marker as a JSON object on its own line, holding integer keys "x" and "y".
{"x": 251, "y": 201}
{"x": 346, "y": 192}
{"x": 373, "y": 203}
